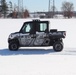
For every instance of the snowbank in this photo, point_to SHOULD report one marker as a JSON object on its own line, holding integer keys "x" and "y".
{"x": 8, "y": 26}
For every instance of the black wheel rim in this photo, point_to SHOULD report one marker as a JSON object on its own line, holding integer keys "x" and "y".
{"x": 14, "y": 46}
{"x": 58, "y": 47}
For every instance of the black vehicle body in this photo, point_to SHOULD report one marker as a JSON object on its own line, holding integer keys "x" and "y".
{"x": 36, "y": 33}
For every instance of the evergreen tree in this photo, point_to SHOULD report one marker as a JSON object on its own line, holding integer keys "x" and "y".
{"x": 4, "y": 7}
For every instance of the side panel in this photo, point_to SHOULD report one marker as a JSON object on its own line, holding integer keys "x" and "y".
{"x": 42, "y": 39}
{"x": 39, "y": 40}
{"x": 58, "y": 34}
{"x": 25, "y": 39}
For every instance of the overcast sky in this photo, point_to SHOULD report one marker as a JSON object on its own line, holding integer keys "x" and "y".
{"x": 41, "y": 5}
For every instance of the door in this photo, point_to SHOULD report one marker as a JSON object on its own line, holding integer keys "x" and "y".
{"x": 25, "y": 36}
{"x": 42, "y": 37}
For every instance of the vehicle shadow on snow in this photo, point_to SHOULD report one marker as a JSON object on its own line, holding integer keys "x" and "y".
{"x": 7, "y": 52}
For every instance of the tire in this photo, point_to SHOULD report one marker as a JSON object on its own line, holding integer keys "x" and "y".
{"x": 58, "y": 46}
{"x": 13, "y": 46}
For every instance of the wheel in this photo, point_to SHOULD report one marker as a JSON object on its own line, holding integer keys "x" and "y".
{"x": 58, "y": 46}
{"x": 13, "y": 46}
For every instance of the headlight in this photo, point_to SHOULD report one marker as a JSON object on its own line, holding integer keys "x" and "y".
{"x": 11, "y": 36}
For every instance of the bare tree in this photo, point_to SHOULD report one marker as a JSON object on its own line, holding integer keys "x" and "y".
{"x": 26, "y": 14}
{"x": 67, "y": 8}
{"x": 14, "y": 14}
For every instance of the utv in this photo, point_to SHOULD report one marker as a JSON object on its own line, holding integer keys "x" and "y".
{"x": 36, "y": 33}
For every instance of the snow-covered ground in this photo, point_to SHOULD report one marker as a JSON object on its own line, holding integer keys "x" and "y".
{"x": 38, "y": 61}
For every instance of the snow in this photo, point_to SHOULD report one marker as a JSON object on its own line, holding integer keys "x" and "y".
{"x": 38, "y": 61}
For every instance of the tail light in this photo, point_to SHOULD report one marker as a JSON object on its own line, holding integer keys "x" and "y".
{"x": 64, "y": 33}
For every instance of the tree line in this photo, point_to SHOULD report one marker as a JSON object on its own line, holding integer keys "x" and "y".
{"x": 67, "y": 8}
{"x": 7, "y": 10}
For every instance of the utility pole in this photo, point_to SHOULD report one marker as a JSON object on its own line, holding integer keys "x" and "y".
{"x": 20, "y": 8}
{"x": 49, "y": 14}
{"x": 10, "y": 6}
{"x": 53, "y": 8}
{"x": 49, "y": 6}
{"x": 22, "y": 4}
